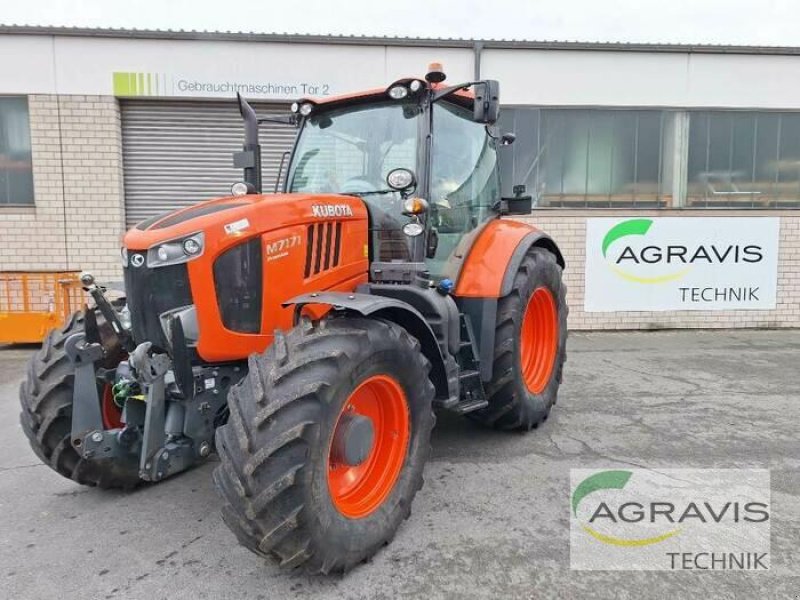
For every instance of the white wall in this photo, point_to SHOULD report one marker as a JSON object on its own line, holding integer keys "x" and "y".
{"x": 27, "y": 64}
{"x": 84, "y": 65}
{"x": 647, "y": 79}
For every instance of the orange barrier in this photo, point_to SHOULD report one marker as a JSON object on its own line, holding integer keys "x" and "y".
{"x": 33, "y": 303}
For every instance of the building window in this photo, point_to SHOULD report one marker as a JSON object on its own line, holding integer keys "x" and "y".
{"x": 744, "y": 160}
{"x": 580, "y": 158}
{"x": 16, "y": 170}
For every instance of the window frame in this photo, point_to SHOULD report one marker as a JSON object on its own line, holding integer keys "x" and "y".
{"x": 673, "y": 164}
{"x": 17, "y": 206}
{"x": 774, "y": 197}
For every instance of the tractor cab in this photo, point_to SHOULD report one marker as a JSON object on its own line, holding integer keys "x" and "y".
{"x": 422, "y": 156}
{"x": 426, "y": 170}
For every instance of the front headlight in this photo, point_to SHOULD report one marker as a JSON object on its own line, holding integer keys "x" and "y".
{"x": 176, "y": 252}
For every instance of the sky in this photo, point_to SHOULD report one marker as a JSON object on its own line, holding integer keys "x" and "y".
{"x": 733, "y": 22}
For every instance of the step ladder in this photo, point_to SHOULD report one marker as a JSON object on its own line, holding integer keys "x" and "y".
{"x": 473, "y": 396}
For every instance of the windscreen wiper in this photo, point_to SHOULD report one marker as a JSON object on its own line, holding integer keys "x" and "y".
{"x": 367, "y": 193}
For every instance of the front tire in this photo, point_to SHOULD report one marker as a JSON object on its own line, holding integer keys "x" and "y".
{"x": 288, "y": 493}
{"x": 530, "y": 346}
{"x": 46, "y": 417}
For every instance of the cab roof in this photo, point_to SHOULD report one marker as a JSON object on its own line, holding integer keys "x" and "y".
{"x": 373, "y": 94}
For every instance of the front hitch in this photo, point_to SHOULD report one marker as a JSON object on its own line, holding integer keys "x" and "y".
{"x": 167, "y": 428}
{"x": 87, "y": 420}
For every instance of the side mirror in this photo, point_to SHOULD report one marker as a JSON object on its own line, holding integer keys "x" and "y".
{"x": 487, "y": 102}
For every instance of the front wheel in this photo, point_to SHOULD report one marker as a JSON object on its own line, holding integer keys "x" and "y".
{"x": 46, "y": 417}
{"x": 326, "y": 442}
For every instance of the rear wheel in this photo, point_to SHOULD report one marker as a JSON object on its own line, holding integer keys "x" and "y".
{"x": 530, "y": 346}
{"x": 326, "y": 442}
{"x": 46, "y": 417}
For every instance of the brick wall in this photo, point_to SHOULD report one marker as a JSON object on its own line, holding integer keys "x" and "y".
{"x": 78, "y": 167}
{"x": 568, "y": 228}
{"x": 77, "y": 174}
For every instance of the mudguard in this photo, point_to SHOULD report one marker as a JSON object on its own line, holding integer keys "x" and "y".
{"x": 494, "y": 258}
{"x": 488, "y": 274}
{"x": 534, "y": 238}
{"x": 397, "y": 311}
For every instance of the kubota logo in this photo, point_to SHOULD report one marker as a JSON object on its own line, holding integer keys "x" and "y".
{"x": 629, "y": 255}
{"x": 328, "y": 211}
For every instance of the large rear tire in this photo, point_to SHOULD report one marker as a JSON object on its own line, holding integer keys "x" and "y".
{"x": 530, "y": 346}
{"x": 46, "y": 417}
{"x": 287, "y": 492}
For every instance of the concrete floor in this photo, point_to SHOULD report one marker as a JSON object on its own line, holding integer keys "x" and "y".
{"x": 493, "y": 517}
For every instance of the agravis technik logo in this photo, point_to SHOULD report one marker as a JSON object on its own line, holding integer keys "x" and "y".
{"x": 671, "y": 519}
{"x": 681, "y": 263}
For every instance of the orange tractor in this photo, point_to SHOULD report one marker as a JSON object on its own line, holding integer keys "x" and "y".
{"x": 307, "y": 336}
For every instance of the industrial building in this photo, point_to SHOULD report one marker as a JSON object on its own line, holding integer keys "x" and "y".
{"x": 696, "y": 148}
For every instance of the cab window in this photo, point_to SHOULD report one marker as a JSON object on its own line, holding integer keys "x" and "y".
{"x": 464, "y": 181}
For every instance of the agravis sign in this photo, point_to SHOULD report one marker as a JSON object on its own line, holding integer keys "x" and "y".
{"x": 681, "y": 263}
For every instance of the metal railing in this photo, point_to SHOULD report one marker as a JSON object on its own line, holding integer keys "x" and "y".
{"x": 31, "y": 303}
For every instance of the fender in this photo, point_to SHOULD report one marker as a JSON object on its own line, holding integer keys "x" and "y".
{"x": 488, "y": 274}
{"x": 397, "y": 311}
{"x": 494, "y": 258}
{"x": 534, "y": 238}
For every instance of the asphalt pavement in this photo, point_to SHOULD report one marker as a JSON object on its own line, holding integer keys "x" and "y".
{"x": 492, "y": 520}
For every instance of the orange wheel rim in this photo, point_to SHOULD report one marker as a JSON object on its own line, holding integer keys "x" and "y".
{"x": 111, "y": 413}
{"x": 357, "y": 491}
{"x": 538, "y": 340}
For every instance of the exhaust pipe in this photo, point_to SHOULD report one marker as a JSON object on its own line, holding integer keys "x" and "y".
{"x": 249, "y": 159}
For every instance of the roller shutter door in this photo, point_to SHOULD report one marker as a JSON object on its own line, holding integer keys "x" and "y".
{"x": 176, "y": 153}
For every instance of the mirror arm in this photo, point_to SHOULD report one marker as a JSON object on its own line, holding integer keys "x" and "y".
{"x": 452, "y": 89}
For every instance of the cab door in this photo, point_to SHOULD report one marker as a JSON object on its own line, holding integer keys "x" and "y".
{"x": 464, "y": 185}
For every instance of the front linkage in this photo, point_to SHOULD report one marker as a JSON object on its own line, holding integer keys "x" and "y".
{"x": 169, "y": 411}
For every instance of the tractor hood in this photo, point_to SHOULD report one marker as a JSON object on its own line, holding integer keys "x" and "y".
{"x": 242, "y": 216}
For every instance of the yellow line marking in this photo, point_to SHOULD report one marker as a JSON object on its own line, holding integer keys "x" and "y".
{"x": 659, "y": 279}
{"x": 615, "y": 541}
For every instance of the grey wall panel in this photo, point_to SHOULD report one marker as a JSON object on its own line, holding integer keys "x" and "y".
{"x": 177, "y": 153}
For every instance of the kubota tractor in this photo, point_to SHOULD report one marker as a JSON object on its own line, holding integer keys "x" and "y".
{"x": 307, "y": 336}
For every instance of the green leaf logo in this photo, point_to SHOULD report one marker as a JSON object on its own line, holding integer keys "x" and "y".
{"x": 629, "y": 227}
{"x": 605, "y": 480}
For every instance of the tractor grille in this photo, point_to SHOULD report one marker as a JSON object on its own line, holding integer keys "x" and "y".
{"x": 323, "y": 247}
{"x": 151, "y": 292}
